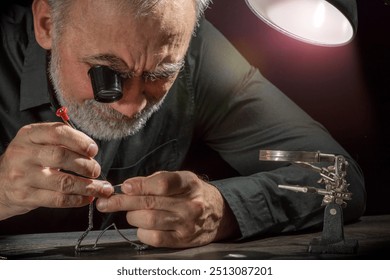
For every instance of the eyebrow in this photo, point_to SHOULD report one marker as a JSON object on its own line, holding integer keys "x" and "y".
{"x": 163, "y": 70}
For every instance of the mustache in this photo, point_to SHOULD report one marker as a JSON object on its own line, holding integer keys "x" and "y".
{"x": 111, "y": 113}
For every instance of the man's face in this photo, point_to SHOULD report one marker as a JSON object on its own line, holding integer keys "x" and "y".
{"x": 148, "y": 51}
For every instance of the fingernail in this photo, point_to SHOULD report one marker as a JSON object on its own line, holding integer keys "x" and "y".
{"x": 127, "y": 187}
{"x": 96, "y": 170}
{"x": 101, "y": 204}
{"x": 107, "y": 189}
{"x": 92, "y": 150}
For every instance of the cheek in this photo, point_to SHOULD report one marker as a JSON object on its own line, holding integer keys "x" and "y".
{"x": 76, "y": 82}
{"x": 158, "y": 89}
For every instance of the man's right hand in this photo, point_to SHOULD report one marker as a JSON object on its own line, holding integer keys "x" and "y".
{"x": 31, "y": 173}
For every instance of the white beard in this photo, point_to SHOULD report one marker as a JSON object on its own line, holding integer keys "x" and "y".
{"x": 99, "y": 120}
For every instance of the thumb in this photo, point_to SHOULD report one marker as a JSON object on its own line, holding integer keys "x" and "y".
{"x": 161, "y": 183}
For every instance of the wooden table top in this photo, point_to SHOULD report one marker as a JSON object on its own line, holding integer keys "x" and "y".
{"x": 372, "y": 233}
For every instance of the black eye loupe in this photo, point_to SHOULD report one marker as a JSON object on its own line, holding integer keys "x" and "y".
{"x": 106, "y": 84}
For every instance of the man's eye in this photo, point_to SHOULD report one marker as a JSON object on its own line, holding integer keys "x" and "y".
{"x": 153, "y": 77}
{"x": 149, "y": 77}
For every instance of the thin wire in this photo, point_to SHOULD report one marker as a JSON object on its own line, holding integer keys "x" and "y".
{"x": 137, "y": 246}
{"x": 63, "y": 114}
{"x": 78, "y": 247}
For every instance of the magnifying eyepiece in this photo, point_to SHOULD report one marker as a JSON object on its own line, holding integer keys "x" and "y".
{"x": 106, "y": 84}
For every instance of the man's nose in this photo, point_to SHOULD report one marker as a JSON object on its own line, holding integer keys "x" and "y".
{"x": 134, "y": 99}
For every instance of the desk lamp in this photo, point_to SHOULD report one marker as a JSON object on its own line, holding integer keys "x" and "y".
{"x": 319, "y": 22}
{"x": 324, "y": 23}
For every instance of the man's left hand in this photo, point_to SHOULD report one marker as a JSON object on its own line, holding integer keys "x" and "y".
{"x": 173, "y": 209}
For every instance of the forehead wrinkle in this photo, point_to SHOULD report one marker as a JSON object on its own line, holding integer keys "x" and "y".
{"x": 106, "y": 57}
{"x": 165, "y": 32}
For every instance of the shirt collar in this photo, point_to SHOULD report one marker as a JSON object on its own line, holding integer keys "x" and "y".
{"x": 33, "y": 87}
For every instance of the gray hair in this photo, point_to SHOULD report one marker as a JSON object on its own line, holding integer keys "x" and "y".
{"x": 142, "y": 7}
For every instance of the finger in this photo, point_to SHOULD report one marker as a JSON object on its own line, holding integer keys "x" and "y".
{"x": 123, "y": 202}
{"x": 59, "y": 157}
{"x": 152, "y": 219}
{"x": 161, "y": 183}
{"x": 61, "y": 135}
{"x": 53, "y": 199}
{"x": 65, "y": 183}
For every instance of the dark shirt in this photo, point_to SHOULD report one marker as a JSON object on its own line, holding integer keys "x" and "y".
{"x": 218, "y": 102}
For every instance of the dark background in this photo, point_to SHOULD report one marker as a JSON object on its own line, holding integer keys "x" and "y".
{"x": 345, "y": 88}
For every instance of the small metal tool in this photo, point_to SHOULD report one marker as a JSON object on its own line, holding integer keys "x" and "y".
{"x": 117, "y": 189}
{"x": 305, "y": 189}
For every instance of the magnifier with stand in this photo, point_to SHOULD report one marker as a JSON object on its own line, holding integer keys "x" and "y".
{"x": 335, "y": 194}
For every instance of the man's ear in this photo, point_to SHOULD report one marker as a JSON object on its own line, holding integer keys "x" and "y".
{"x": 43, "y": 24}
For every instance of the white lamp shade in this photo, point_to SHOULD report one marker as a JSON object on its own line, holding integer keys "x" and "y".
{"x": 314, "y": 21}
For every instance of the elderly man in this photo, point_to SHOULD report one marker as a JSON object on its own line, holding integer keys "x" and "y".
{"x": 182, "y": 84}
